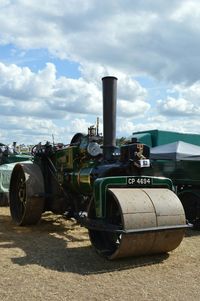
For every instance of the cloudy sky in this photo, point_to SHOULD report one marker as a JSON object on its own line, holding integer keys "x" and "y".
{"x": 53, "y": 54}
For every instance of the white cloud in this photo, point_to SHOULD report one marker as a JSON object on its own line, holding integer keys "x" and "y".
{"x": 78, "y": 96}
{"x": 186, "y": 101}
{"x": 127, "y": 39}
{"x": 187, "y": 10}
{"x": 42, "y": 94}
{"x": 132, "y": 36}
{"x": 191, "y": 92}
{"x": 21, "y": 83}
{"x": 131, "y": 109}
{"x": 46, "y": 100}
{"x": 179, "y": 106}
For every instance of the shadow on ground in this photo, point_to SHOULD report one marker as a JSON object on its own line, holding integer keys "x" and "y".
{"x": 192, "y": 232}
{"x": 53, "y": 245}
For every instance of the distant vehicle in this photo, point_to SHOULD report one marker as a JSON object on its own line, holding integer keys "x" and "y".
{"x": 8, "y": 158}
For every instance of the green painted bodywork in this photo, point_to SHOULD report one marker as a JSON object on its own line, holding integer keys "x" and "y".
{"x": 101, "y": 186}
{"x": 75, "y": 171}
{"x": 66, "y": 158}
{"x": 18, "y": 158}
{"x": 71, "y": 163}
{"x": 81, "y": 181}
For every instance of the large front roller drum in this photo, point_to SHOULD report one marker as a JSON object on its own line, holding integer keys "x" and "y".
{"x": 158, "y": 210}
{"x": 26, "y": 194}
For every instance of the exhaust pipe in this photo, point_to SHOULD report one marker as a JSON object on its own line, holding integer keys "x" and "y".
{"x": 109, "y": 116}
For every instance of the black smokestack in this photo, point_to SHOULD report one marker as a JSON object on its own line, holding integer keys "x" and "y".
{"x": 109, "y": 116}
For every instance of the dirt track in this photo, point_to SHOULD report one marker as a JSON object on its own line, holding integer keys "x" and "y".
{"x": 54, "y": 261}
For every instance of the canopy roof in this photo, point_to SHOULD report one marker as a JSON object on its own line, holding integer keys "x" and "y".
{"x": 178, "y": 150}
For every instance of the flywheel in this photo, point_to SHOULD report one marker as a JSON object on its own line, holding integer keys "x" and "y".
{"x": 152, "y": 221}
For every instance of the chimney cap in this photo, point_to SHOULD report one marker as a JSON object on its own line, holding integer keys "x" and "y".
{"x": 113, "y": 77}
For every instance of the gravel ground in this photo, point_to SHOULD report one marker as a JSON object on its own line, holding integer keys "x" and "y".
{"x": 55, "y": 261}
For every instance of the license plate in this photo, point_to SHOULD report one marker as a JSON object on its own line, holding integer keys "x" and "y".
{"x": 133, "y": 181}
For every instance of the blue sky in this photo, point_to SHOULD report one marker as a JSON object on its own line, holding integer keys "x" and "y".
{"x": 53, "y": 56}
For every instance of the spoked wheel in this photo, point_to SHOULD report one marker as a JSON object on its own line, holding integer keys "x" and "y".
{"x": 150, "y": 218}
{"x": 26, "y": 194}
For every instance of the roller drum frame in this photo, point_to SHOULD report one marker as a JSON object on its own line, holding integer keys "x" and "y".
{"x": 152, "y": 221}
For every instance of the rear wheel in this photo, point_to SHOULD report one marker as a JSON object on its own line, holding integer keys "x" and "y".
{"x": 26, "y": 194}
{"x": 191, "y": 204}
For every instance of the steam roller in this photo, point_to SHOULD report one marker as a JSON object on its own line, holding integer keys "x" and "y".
{"x": 111, "y": 190}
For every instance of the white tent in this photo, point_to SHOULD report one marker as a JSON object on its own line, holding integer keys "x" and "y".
{"x": 178, "y": 150}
